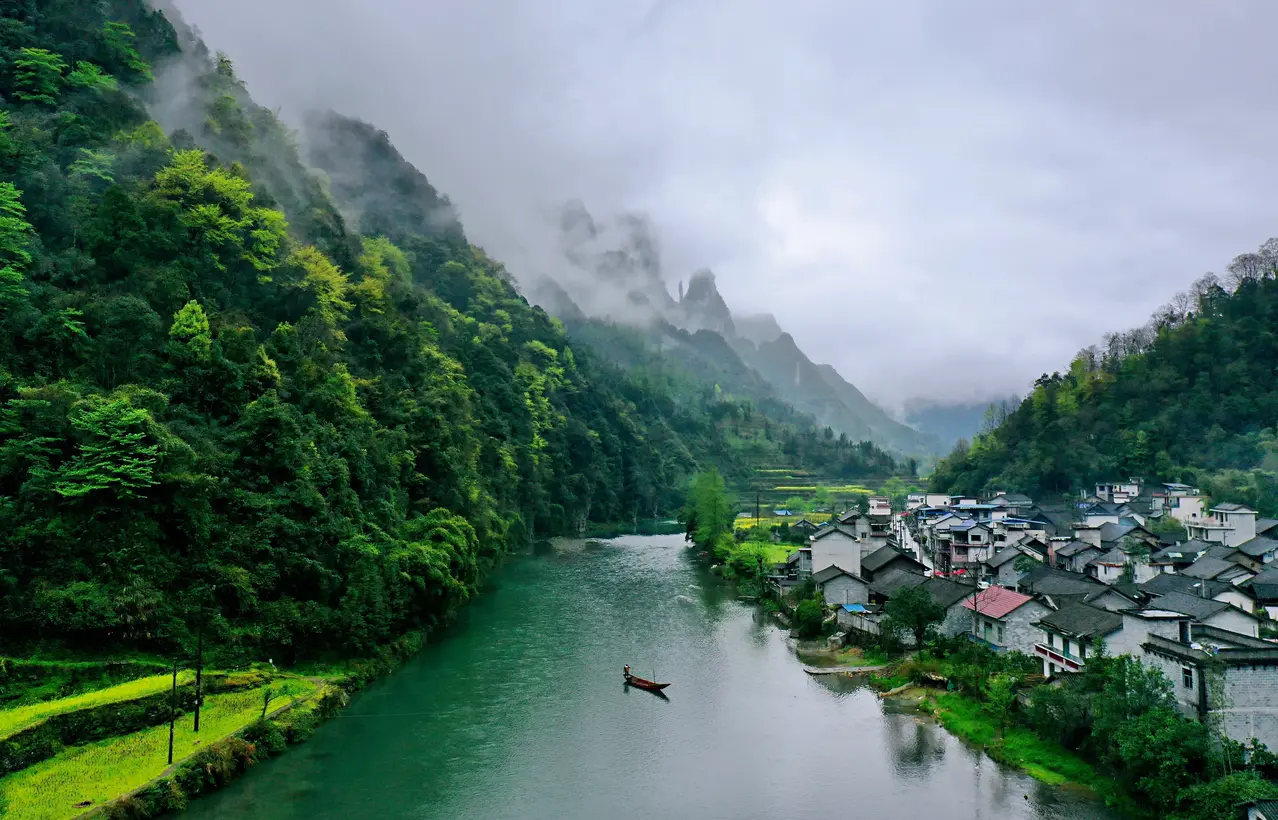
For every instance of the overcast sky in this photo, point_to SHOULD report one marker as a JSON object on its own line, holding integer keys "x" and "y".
{"x": 978, "y": 188}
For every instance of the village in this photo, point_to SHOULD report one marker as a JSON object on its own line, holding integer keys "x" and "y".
{"x": 1137, "y": 568}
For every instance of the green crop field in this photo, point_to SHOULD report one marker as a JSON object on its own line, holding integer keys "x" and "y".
{"x": 15, "y": 720}
{"x": 99, "y": 772}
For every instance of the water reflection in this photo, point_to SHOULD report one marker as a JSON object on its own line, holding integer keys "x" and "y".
{"x": 914, "y": 745}
{"x": 515, "y": 715}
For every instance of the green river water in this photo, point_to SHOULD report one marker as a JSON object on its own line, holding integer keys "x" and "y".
{"x": 519, "y": 712}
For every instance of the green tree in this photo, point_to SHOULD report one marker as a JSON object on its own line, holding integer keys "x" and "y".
{"x": 711, "y": 506}
{"x": 809, "y": 617}
{"x": 121, "y": 41}
{"x": 15, "y": 243}
{"x": 913, "y": 611}
{"x": 113, "y": 453}
{"x": 190, "y": 330}
{"x": 1000, "y": 694}
{"x": 91, "y": 77}
{"x": 38, "y": 76}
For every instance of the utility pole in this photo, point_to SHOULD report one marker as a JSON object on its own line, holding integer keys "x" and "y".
{"x": 172, "y": 710}
{"x": 199, "y": 672}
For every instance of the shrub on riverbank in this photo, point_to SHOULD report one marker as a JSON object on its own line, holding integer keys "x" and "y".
{"x": 1117, "y": 716}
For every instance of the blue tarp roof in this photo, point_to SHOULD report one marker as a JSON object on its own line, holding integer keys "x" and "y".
{"x": 855, "y": 607}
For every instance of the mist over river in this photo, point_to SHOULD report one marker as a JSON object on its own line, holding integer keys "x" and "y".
{"x": 519, "y": 712}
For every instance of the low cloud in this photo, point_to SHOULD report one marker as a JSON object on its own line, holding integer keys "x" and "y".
{"x": 980, "y": 187}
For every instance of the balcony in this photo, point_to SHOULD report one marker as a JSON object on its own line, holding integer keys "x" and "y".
{"x": 1061, "y": 658}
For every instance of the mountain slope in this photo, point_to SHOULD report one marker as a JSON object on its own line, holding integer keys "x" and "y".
{"x": 224, "y": 410}
{"x": 627, "y": 282}
{"x": 820, "y": 391}
{"x": 1190, "y": 397}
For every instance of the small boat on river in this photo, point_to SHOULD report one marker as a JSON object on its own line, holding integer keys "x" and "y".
{"x": 642, "y": 683}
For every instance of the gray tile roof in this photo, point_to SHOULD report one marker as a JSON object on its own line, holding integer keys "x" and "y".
{"x": 1206, "y": 567}
{"x": 1073, "y": 548}
{"x": 1001, "y": 558}
{"x": 895, "y": 582}
{"x": 1176, "y": 582}
{"x": 1231, "y": 507}
{"x": 1084, "y": 621}
{"x": 1200, "y": 609}
{"x": 1180, "y": 553}
{"x": 947, "y": 593}
{"x": 1124, "y": 527}
{"x": 824, "y": 531}
{"x": 1051, "y": 581}
{"x": 831, "y": 572}
{"x": 1258, "y": 546}
{"x": 1114, "y": 556}
{"x": 1264, "y": 525}
{"x": 883, "y": 556}
{"x": 1264, "y": 586}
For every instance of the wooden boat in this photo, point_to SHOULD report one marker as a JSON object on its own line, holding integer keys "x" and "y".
{"x": 644, "y": 683}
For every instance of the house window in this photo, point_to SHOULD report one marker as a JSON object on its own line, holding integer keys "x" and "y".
{"x": 1082, "y": 652}
{"x": 1051, "y": 641}
{"x": 1187, "y": 676}
{"x": 1000, "y": 633}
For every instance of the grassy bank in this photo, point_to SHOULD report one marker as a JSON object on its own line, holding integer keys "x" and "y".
{"x": 848, "y": 656}
{"x": 93, "y": 774}
{"x": 1014, "y": 746}
{"x": 127, "y": 775}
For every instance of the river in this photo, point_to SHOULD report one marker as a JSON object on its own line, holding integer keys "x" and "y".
{"x": 519, "y": 712}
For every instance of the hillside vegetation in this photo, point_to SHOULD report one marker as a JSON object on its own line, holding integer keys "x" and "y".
{"x": 1191, "y": 396}
{"x": 223, "y": 407}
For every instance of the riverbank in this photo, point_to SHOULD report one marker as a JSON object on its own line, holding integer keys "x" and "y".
{"x": 973, "y": 722}
{"x": 103, "y": 753}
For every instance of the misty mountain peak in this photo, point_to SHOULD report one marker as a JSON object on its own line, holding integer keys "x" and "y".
{"x": 759, "y": 328}
{"x": 704, "y": 306}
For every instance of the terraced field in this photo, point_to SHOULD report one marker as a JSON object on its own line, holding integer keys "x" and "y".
{"x": 81, "y": 777}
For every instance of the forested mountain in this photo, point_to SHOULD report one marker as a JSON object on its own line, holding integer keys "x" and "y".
{"x": 294, "y": 404}
{"x": 1191, "y": 396}
{"x": 952, "y": 421}
{"x": 622, "y": 283}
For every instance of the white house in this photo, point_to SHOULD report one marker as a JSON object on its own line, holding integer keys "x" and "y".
{"x": 1003, "y": 619}
{"x": 1228, "y": 524}
{"x": 835, "y": 545}
{"x": 1069, "y": 635}
{"x": 1231, "y": 675}
{"x": 1210, "y": 612}
{"x": 1182, "y": 502}
{"x": 1118, "y": 492}
{"x": 838, "y": 586}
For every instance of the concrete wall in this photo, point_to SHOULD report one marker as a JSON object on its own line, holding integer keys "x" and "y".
{"x": 1238, "y": 599}
{"x": 1187, "y": 698}
{"x": 844, "y": 590}
{"x": 1019, "y": 632}
{"x": 958, "y": 620}
{"x": 836, "y": 549}
{"x": 1136, "y": 631}
{"x": 1187, "y": 507}
{"x": 1250, "y": 704}
{"x": 1235, "y": 622}
{"x": 1106, "y": 573}
{"x": 1244, "y": 528}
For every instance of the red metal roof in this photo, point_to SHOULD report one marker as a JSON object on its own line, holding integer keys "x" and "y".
{"x": 996, "y": 602}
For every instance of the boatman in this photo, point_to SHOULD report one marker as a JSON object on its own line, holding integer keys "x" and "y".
{"x": 626, "y": 670}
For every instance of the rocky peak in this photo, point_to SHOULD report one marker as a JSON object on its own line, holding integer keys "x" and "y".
{"x": 704, "y": 306}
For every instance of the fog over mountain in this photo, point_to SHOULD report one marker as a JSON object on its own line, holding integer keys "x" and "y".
{"x": 991, "y": 182}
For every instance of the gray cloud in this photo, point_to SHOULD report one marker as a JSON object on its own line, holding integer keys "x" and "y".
{"x": 981, "y": 187}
